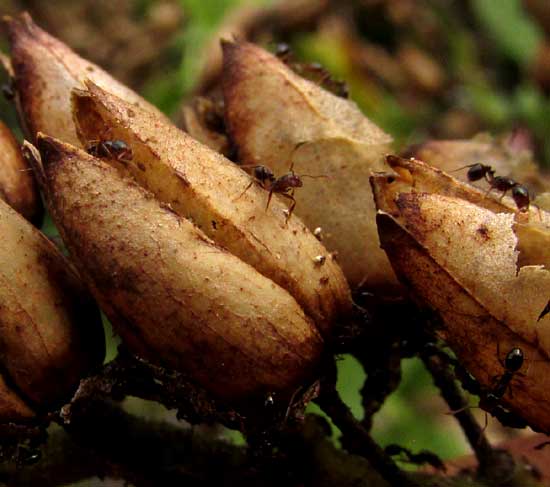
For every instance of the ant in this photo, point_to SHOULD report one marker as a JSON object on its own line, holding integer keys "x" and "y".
{"x": 283, "y": 185}
{"x": 110, "y": 149}
{"x": 490, "y": 401}
{"x": 512, "y": 364}
{"x": 520, "y": 193}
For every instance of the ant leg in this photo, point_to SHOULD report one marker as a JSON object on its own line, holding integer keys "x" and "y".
{"x": 482, "y": 433}
{"x": 292, "y": 205}
{"x": 269, "y": 198}
{"x": 296, "y": 147}
{"x": 463, "y": 167}
{"x": 245, "y": 190}
{"x": 108, "y": 152}
{"x": 91, "y": 143}
{"x": 456, "y": 411}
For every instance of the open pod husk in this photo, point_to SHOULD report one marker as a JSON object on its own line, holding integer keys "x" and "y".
{"x": 204, "y": 187}
{"x": 482, "y": 266}
{"x": 44, "y": 72}
{"x": 174, "y": 295}
{"x": 276, "y": 118}
{"x": 50, "y": 330}
{"x": 17, "y": 185}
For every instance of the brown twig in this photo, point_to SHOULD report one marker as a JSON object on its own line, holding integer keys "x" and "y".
{"x": 355, "y": 437}
{"x": 493, "y": 463}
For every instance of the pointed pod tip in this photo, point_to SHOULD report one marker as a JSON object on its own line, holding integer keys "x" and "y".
{"x": 20, "y": 24}
{"x": 50, "y": 149}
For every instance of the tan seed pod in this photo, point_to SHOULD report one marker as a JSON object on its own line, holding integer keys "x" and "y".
{"x": 50, "y": 330}
{"x": 17, "y": 184}
{"x": 458, "y": 253}
{"x": 277, "y": 118}
{"x": 221, "y": 199}
{"x": 175, "y": 296}
{"x": 45, "y": 71}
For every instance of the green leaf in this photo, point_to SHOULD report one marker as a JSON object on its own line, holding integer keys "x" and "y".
{"x": 509, "y": 27}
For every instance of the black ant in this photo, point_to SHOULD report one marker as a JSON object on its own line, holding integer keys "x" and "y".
{"x": 512, "y": 364}
{"x": 110, "y": 149}
{"x": 520, "y": 193}
{"x": 490, "y": 401}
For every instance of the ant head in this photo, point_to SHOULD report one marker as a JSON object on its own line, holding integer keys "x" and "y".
{"x": 514, "y": 360}
{"x": 293, "y": 180}
{"x": 521, "y": 197}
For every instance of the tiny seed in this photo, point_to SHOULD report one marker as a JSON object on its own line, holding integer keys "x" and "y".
{"x": 318, "y": 232}
{"x": 319, "y": 260}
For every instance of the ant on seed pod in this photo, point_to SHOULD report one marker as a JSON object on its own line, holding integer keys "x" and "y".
{"x": 283, "y": 185}
{"x": 117, "y": 150}
{"x": 520, "y": 193}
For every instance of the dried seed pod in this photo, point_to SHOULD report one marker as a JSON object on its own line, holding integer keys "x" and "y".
{"x": 275, "y": 117}
{"x": 50, "y": 330}
{"x": 203, "y": 186}
{"x": 17, "y": 185}
{"x": 45, "y": 71}
{"x": 457, "y": 252}
{"x": 175, "y": 296}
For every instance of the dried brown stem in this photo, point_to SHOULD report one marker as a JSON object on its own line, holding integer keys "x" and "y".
{"x": 355, "y": 437}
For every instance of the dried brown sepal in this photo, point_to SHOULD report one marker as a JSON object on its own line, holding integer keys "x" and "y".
{"x": 50, "y": 330}
{"x": 17, "y": 184}
{"x": 176, "y": 297}
{"x": 201, "y": 185}
{"x": 276, "y": 117}
{"x": 456, "y": 251}
{"x": 45, "y": 72}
